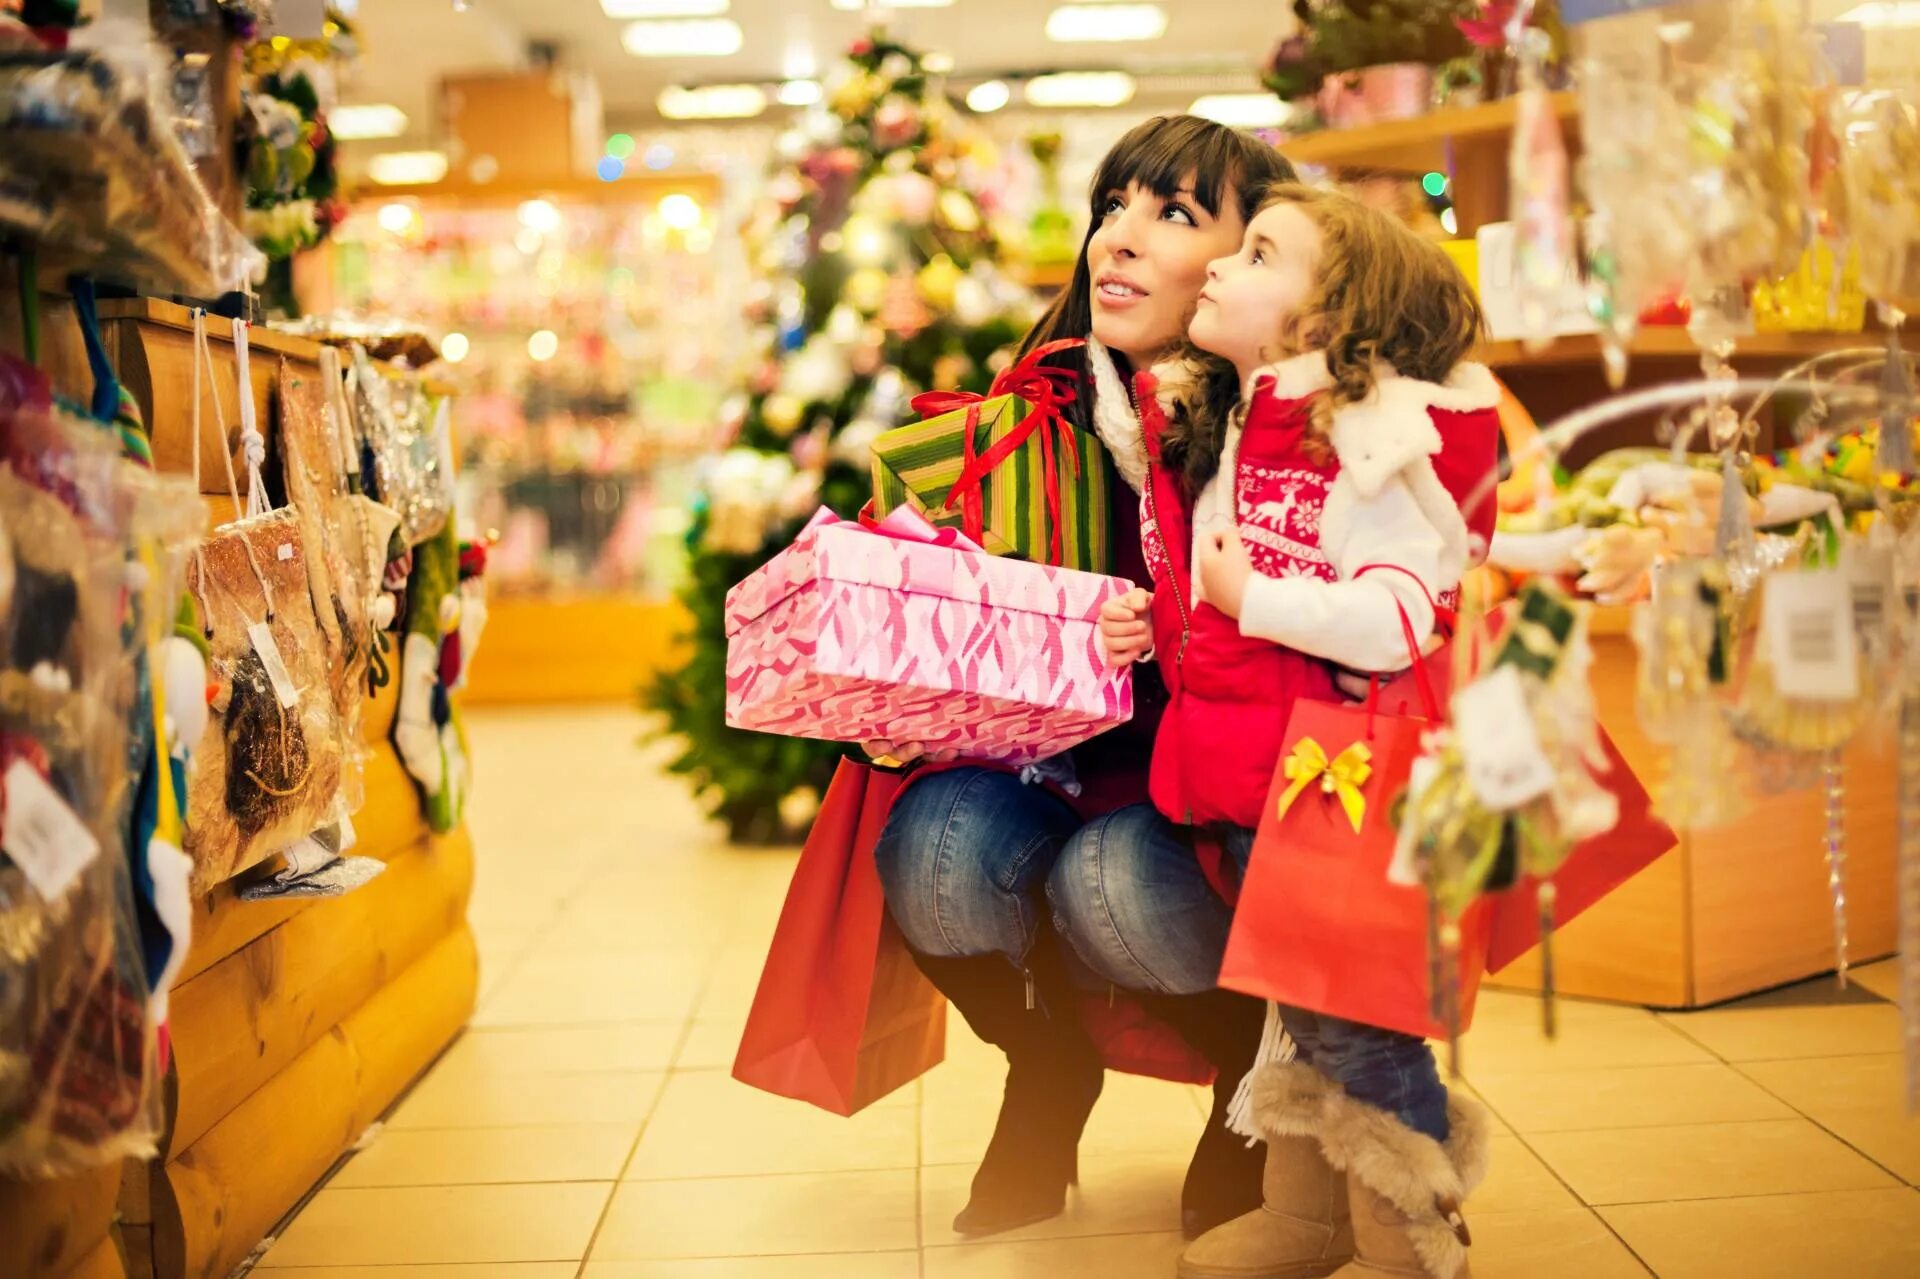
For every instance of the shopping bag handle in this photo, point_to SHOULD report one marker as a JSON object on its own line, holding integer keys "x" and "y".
{"x": 1422, "y": 680}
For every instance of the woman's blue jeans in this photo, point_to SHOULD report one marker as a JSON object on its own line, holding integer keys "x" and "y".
{"x": 973, "y": 862}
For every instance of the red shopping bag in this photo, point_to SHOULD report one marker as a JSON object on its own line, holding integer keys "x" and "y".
{"x": 842, "y": 1016}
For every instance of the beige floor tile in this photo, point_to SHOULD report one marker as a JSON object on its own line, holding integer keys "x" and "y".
{"x": 1110, "y": 1257}
{"x": 559, "y": 990}
{"x": 761, "y": 1216}
{"x": 710, "y": 1125}
{"x": 1517, "y": 1181}
{"x": 1872, "y": 1234}
{"x": 458, "y": 1099}
{"x": 1133, "y": 1115}
{"x": 494, "y": 1270}
{"x": 491, "y": 1270}
{"x": 482, "y": 1156}
{"x": 709, "y": 1045}
{"x": 1771, "y": 1028}
{"x": 1507, "y": 1039}
{"x": 839, "y": 1265}
{"x": 1625, "y": 1097}
{"x": 1858, "y": 1099}
{"x": 1704, "y": 1161}
{"x": 1556, "y": 1243}
{"x": 1882, "y": 978}
{"x": 525, "y": 1050}
{"x": 1118, "y": 1194}
{"x": 468, "y": 1224}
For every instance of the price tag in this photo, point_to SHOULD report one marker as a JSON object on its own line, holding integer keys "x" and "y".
{"x": 43, "y": 835}
{"x": 269, "y": 651}
{"x": 284, "y": 552}
{"x": 1506, "y": 765}
{"x": 1806, "y": 623}
{"x": 1870, "y": 581}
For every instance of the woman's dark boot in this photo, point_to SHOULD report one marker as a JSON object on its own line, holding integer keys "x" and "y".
{"x": 1054, "y": 1075}
{"x": 1223, "y": 1181}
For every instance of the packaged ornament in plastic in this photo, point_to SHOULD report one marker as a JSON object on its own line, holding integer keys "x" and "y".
{"x": 77, "y": 1053}
{"x": 268, "y": 768}
{"x": 405, "y": 450}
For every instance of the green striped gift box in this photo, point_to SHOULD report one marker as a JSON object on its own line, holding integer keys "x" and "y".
{"x": 917, "y": 465}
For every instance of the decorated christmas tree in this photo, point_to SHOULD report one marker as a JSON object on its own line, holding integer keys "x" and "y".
{"x": 877, "y": 280}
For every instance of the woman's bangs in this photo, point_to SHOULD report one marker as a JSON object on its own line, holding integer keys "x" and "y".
{"x": 1163, "y": 153}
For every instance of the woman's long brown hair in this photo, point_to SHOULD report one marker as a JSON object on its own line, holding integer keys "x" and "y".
{"x": 1162, "y": 155}
{"x": 1382, "y": 295}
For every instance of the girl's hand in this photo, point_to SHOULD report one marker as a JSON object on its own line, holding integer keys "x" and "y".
{"x": 899, "y": 754}
{"x": 1125, "y": 632}
{"x": 1225, "y": 567}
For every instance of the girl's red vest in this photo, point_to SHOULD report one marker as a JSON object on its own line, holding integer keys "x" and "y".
{"x": 1229, "y": 695}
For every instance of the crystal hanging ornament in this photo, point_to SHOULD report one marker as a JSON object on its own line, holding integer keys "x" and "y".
{"x": 1537, "y": 178}
{"x": 1834, "y": 801}
{"x": 1894, "y": 456}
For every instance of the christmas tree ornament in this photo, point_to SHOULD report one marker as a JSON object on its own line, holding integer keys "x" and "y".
{"x": 1684, "y": 639}
{"x": 1537, "y": 178}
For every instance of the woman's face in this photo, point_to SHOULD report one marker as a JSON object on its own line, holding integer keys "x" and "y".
{"x": 1148, "y": 260}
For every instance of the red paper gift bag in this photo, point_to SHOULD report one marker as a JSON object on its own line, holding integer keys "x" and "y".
{"x": 842, "y": 1016}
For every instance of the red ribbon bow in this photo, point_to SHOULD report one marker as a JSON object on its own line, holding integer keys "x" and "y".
{"x": 1048, "y": 390}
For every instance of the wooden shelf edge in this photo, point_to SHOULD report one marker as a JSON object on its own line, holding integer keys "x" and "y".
{"x": 1663, "y": 344}
{"x": 219, "y": 328}
{"x": 1415, "y": 144}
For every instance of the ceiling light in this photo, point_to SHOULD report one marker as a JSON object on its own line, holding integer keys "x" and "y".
{"x": 1080, "y": 89}
{"x": 800, "y": 93}
{"x": 854, "y": 6}
{"x": 407, "y": 168}
{"x": 1106, "y": 23}
{"x": 937, "y": 63}
{"x": 1896, "y": 13}
{"x": 543, "y": 346}
{"x": 454, "y": 348}
{"x": 989, "y": 95}
{"x": 663, "y": 8}
{"x": 686, "y": 38}
{"x": 1242, "y": 110}
{"x": 710, "y": 102}
{"x": 373, "y": 120}
{"x": 680, "y": 211}
{"x": 541, "y": 216}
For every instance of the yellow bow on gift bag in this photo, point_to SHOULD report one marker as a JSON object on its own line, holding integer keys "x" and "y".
{"x": 1342, "y": 776}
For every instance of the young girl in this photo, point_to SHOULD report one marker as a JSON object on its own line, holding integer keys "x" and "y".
{"x": 1304, "y": 532}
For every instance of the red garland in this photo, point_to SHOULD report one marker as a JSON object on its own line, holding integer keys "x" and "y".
{"x": 1048, "y": 390}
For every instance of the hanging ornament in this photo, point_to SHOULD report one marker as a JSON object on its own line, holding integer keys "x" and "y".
{"x": 1895, "y": 452}
{"x": 902, "y": 311}
{"x": 939, "y": 281}
{"x": 1537, "y": 177}
{"x": 782, "y": 413}
{"x": 1684, "y": 638}
{"x": 1834, "y": 804}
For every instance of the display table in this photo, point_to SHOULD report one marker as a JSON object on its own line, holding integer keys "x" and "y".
{"x": 295, "y": 1023}
{"x": 1733, "y": 909}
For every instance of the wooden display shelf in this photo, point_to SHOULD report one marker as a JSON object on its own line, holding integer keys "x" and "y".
{"x": 588, "y": 648}
{"x": 1665, "y": 345}
{"x": 1423, "y": 144}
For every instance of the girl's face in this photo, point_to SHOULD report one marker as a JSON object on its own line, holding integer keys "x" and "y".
{"x": 1147, "y": 259}
{"x": 1251, "y": 295}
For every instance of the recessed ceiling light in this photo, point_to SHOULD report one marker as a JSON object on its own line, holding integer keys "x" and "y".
{"x": 681, "y": 211}
{"x": 663, "y": 8}
{"x": 1242, "y": 110}
{"x": 989, "y": 95}
{"x": 711, "y": 102}
{"x": 1106, "y": 23}
{"x": 937, "y": 63}
{"x": 854, "y": 6}
{"x": 407, "y": 168}
{"x": 454, "y": 347}
{"x": 1891, "y": 13}
{"x": 543, "y": 346}
{"x": 371, "y": 120}
{"x": 1080, "y": 89}
{"x": 800, "y": 93}
{"x": 683, "y": 38}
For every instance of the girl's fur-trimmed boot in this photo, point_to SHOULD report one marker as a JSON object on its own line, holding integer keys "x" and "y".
{"x": 1302, "y": 1229}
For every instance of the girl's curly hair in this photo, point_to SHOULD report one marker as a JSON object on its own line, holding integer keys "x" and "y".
{"x": 1382, "y": 295}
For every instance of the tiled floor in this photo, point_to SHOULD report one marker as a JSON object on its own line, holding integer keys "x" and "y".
{"x": 586, "y": 1124}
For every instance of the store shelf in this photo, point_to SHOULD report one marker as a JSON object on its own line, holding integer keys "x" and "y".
{"x": 1419, "y": 145}
{"x": 1667, "y": 345}
{"x": 1051, "y": 275}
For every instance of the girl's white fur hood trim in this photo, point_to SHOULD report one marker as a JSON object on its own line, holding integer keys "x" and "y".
{"x": 1392, "y": 428}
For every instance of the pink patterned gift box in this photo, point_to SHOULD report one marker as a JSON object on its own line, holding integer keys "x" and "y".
{"x": 906, "y": 632}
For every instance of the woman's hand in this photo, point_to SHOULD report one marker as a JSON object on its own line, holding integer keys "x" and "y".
{"x": 1225, "y": 567}
{"x": 899, "y": 754}
{"x": 1125, "y": 632}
